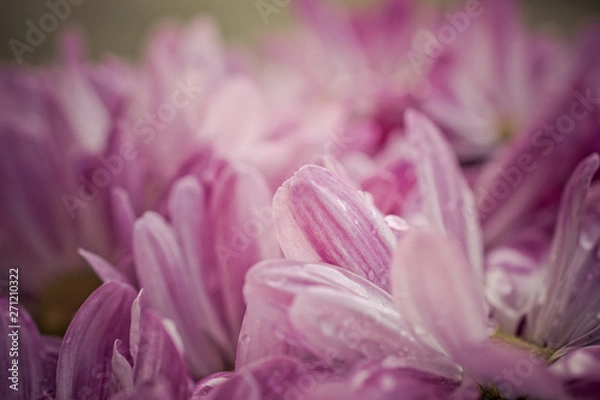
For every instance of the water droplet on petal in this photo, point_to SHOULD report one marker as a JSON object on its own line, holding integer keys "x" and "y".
{"x": 419, "y": 330}
{"x": 327, "y": 327}
{"x": 585, "y": 241}
{"x": 387, "y": 383}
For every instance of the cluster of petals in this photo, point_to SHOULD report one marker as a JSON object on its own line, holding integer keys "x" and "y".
{"x": 365, "y": 207}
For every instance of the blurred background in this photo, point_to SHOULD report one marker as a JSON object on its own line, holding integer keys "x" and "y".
{"x": 122, "y": 26}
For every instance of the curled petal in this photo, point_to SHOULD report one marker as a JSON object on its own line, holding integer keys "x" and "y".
{"x": 318, "y": 217}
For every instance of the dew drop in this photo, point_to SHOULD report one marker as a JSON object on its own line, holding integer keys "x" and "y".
{"x": 327, "y": 327}
{"x": 342, "y": 204}
{"x": 387, "y": 383}
{"x": 371, "y": 348}
{"x": 419, "y": 330}
{"x": 585, "y": 241}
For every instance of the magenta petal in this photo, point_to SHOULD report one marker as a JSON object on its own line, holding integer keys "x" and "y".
{"x": 243, "y": 235}
{"x": 317, "y": 310}
{"x": 318, "y": 217}
{"x": 105, "y": 271}
{"x": 156, "y": 357}
{"x": 514, "y": 372}
{"x": 23, "y": 356}
{"x": 386, "y": 380}
{"x": 84, "y": 365}
{"x": 206, "y": 385}
{"x": 570, "y": 214}
{"x": 514, "y": 272}
{"x": 567, "y": 279}
{"x": 147, "y": 391}
{"x": 236, "y": 117}
{"x": 187, "y": 209}
{"x": 121, "y": 367}
{"x": 240, "y": 386}
{"x": 436, "y": 290}
{"x": 345, "y": 328}
{"x": 163, "y": 275}
{"x": 526, "y": 174}
{"x": 448, "y": 201}
{"x": 271, "y": 378}
{"x": 270, "y": 290}
{"x": 124, "y": 216}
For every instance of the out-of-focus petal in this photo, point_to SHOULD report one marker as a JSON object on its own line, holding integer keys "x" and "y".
{"x": 243, "y": 235}
{"x": 568, "y": 270}
{"x": 84, "y": 365}
{"x": 206, "y": 385}
{"x": 103, "y": 268}
{"x": 28, "y": 371}
{"x": 513, "y": 372}
{"x": 124, "y": 217}
{"x": 448, "y": 201}
{"x": 240, "y": 386}
{"x": 121, "y": 367}
{"x": 271, "y": 378}
{"x": 238, "y": 107}
{"x": 162, "y": 273}
{"x": 580, "y": 372}
{"x": 147, "y": 391}
{"x": 187, "y": 209}
{"x": 156, "y": 356}
{"x": 387, "y": 380}
{"x": 436, "y": 290}
{"x": 514, "y": 276}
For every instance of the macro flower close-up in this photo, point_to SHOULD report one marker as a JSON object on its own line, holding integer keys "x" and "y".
{"x": 300, "y": 200}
